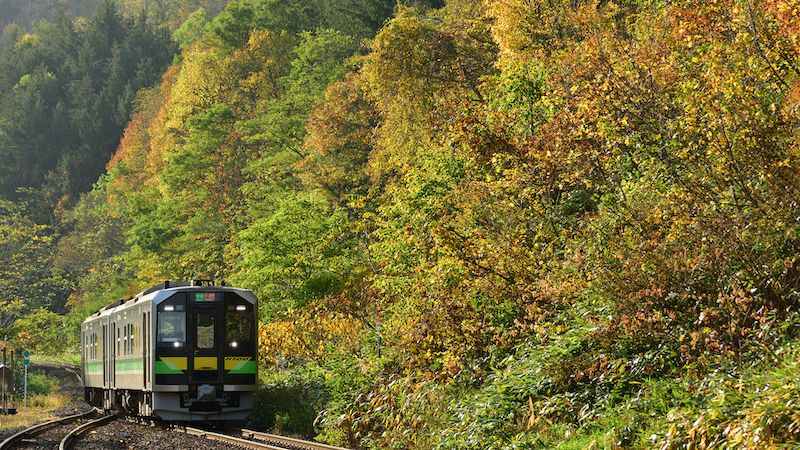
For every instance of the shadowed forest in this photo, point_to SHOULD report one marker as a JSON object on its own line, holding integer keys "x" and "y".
{"x": 471, "y": 224}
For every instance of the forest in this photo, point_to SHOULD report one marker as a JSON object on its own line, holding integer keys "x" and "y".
{"x": 471, "y": 224}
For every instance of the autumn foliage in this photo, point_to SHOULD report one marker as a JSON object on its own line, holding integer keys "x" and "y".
{"x": 479, "y": 224}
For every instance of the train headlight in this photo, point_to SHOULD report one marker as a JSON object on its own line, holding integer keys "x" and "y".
{"x": 241, "y": 308}
{"x": 169, "y": 308}
{"x": 234, "y": 344}
{"x": 176, "y": 344}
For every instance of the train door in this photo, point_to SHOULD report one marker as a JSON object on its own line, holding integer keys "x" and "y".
{"x": 206, "y": 335}
{"x": 146, "y": 348}
{"x": 105, "y": 356}
{"x": 114, "y": 352}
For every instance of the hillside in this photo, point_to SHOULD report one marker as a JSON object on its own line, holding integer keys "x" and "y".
{"x": 470, "y": 225}
{"x": 25, "y": 12}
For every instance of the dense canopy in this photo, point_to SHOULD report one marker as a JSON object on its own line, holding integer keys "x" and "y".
{"x": 471, "y": 224}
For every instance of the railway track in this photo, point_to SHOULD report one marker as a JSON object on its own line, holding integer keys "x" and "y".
{"x": 285, "y": 442}
{"x": 31, "y": 437}
{"x": 65, "y": 434}
{"x": 35, "y": 436}
{"x": 257, "y": 440}
{"x": 73, "y": 435}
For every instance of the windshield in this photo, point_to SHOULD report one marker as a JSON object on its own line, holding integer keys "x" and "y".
{"x": 172, "y": 326}
{"x": 172, "y": 321}
{"x": 239, "y": 323}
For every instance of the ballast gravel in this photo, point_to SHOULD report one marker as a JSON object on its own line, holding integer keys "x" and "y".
{"x": 119, "y": 434}
{"x": 124, "y": 435}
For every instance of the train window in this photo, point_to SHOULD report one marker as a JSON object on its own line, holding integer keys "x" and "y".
{"x": 131, "y": 340}
{"x": 171, "y": 321}
{"x": 239, "y": 324}
{"x": 205, "y": 330}
{"x": 172, "y": 327}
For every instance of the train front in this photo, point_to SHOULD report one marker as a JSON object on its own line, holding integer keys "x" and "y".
{"x": 205, "y": 353}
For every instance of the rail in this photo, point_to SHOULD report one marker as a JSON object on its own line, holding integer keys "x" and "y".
{"x": 13, "y": 440}
{"x": 69, "y": 439}
{"x": 257, "y": 440}
{"x": 286, "y": 442}
{"x": 228, "y": 439}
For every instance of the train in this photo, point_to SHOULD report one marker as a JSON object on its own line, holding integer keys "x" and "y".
{"x": 178, "y": 351}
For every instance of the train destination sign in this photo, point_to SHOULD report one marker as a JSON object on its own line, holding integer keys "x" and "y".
{"x": 207, "y": 296}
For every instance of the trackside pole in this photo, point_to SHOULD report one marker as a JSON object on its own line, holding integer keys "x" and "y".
{"x": 26, "y": 361}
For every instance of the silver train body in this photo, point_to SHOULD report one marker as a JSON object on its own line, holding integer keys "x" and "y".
{"x": 177, "y": 351}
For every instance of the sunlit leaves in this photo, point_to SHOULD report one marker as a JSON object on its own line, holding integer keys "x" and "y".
{"x": 341, "y": 133}
{"x": 308, "y": 334}
{"x": 26, "y": 274}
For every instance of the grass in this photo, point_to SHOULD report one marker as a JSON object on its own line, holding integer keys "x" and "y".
{"x": 43, "y": 399}
{"x": 40, "y": 408}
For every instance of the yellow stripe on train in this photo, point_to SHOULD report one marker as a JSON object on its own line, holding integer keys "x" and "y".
{"x": 175, "y": 362}
{"x": 234, "y": 362}
{"x": 205, "y": 363}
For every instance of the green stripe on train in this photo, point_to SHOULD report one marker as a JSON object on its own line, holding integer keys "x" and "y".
{"x": 166, "y": 368}
{"x": 122, "y": 365}
{"x": 129, "y": 365}
{"x": 94, "y": 367}
{"x": 244, "y": 368}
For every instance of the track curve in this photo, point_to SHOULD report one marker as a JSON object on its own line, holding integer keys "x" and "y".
{"x": 35, "y": 430}
{"x": 70, "y": 438}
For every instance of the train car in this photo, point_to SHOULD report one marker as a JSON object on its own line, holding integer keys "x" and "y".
{"x": 182, "y": 351}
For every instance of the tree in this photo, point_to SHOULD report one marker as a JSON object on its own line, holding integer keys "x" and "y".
{"x": 69, "y": 94}
{"x": 26, "y": 274}
{"x": 192, "y": 29}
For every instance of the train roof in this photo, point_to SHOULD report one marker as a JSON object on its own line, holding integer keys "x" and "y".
{"x": 163, "y": 291}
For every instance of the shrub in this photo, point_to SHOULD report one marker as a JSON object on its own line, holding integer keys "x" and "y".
{"x": 288, "y": 402}
{"x": 39, "y": 383}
